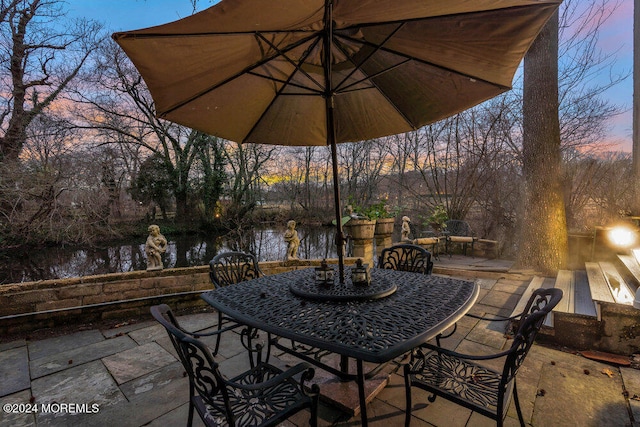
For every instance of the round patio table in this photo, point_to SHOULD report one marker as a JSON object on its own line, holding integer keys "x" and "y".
{"x": 406, "y": 310}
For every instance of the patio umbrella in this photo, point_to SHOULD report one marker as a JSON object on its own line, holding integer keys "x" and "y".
{"x": 322, "y": 72}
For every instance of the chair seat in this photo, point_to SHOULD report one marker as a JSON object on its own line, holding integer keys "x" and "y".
{"x": 473, "y": 385}
{"x": 461, "y": 239}
{"x": 253, "y": 407}
{"x": 426, "y": 241}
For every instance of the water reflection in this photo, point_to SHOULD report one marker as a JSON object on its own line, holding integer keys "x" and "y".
{"x": 184, "y": 251}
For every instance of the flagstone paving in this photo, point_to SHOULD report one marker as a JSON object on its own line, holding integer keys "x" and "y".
{"x": 130, "y": 376}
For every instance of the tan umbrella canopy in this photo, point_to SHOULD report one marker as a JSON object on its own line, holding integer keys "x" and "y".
{"x": 321, "y": 72}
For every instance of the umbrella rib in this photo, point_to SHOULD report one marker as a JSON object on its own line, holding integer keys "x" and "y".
{"x": 393, "y": 104}
{"x": 285, "y": 83}
{"x": 236, "y": 75}
{"x": 288, "y": 83}
{"x": 422, "y": 61}
{"x": 371, "y": 76}
{"x": 292, "y": 62}
{"x": 366, "y": 58}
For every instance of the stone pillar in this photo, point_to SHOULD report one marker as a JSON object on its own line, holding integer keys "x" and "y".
{"x": 383, "y": 234}
{"x": 382, "y": 241}
{"x": 363, "y": 248}
{"x": 361, "y": 232}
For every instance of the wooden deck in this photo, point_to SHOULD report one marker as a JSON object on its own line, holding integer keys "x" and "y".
{"x": 597, "y": 310}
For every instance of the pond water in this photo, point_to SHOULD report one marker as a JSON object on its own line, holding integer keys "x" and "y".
{"x": 182, "y": 251}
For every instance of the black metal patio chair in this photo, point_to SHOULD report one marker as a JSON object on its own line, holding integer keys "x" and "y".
{"x": 458, "y": 378}
{"x": 406, "y": 257}
{"x": 459, "y": 232}
{"x": 229, "y": 268}
{"x": 261, "y": 396}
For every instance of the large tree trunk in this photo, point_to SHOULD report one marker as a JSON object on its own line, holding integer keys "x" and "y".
{"x": 543, "y": 231}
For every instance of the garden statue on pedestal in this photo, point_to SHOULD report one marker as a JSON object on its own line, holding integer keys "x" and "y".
{"x": 292, "y": 240}
{"x": 154, "y": 248}
{"x": 406, "y": 229}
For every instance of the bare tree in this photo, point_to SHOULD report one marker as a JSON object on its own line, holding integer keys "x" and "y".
{"x": 362, "y": 165}
{"x": 6, "y": 7}
{"x": 247, "y": 163}
{"x": 120, "y": 108}
{"x": 596, "y": 190}
{"x": 585, "y": 73}
{"x": 41, "y": 57}
{"x": 57, "y": 193}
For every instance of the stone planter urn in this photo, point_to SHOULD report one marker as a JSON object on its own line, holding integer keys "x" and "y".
{"x": 362, "y": 232}
{"x": 384, "y": 226}
{"x": 361, "y": 229}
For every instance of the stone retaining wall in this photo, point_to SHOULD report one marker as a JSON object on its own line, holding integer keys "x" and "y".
{"x": 29, "y": 306}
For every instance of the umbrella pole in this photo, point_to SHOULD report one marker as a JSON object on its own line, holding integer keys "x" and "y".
{"x": 331, "y": 132}
{"x": 336, "y": 193}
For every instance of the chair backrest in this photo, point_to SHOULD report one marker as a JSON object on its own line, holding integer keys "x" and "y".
{"x": 229, "y": 268}
{"x": 456, "y": 227}
{"x": 204, "y": 376}
{"x": 541, "y": 302}
{"x": 406, "y": 257}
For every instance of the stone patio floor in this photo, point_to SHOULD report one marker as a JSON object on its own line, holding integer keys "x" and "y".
{"x": 129, "y": 375}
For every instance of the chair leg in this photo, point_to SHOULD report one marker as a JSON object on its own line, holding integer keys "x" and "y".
{"x": 517, "y": 402}
{"x": 313, "y": 422}
{"x": 269, "y": 342}
{"x": 191, "y": 408}
{"x": 217, "y": 347}
{"x": 407, "y": 389}
{"x": 190, "y": 420}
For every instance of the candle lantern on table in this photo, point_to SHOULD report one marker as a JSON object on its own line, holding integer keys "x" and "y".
{"x": 324, "y": 273}
{"x": 360, "y": 274}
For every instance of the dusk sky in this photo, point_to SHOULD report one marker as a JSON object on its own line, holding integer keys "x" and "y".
{"x": 616, "y": 38}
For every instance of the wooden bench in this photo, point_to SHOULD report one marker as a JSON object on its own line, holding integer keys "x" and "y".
{"x": 536, "y": 283}
{"x": 631, "y": 264}
{"x": 566, "y": 281}
{"x": 459, "y": 232}
{"x": 429, "y": 242}
{"x": 598, "y": 286}
{"x": 577, "y": 295}
{"x": 619, "y": 289}
{"x": 583, "y": 303}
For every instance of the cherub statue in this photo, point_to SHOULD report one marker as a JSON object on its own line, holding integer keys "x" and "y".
{"x": 406, "y": 229}
{"x": 292, "y": 240}
{"x": 154, "y": 248}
